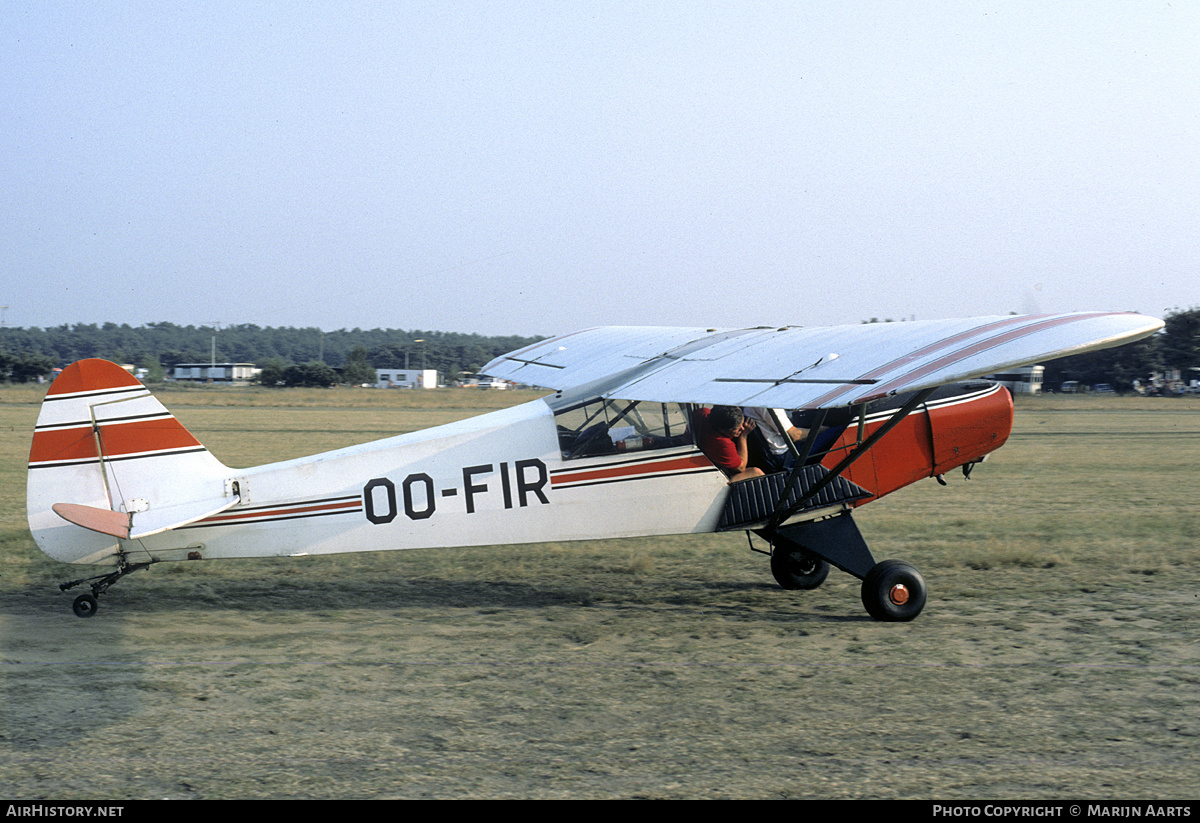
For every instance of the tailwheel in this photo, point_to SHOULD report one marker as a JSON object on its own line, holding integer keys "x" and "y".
{"x": 795, "y": 568}
{"x": 85, "y": 605}
{"x": 893, "y": 591}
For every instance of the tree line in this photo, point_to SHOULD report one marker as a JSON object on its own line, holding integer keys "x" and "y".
{"x": 307, "y": 354}
{"x": 1175, "y": 348}
{"x": 310, "y": 356}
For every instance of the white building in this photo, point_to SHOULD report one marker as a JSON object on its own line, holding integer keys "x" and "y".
{"x": 406, "y": 378}
{"x": 1024, "y": 380}
{"x": 239, "y": 373}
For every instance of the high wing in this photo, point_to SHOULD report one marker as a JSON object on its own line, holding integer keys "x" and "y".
{"x": 796, "y": 367}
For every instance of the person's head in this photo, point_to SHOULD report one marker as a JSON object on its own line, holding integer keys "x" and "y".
{"x": 727, "y": 420}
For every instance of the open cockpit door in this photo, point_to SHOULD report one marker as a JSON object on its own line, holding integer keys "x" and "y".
{"x": 814, "y": 483}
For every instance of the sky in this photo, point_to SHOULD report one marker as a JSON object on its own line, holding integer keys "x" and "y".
{"x": 534, "y": 168}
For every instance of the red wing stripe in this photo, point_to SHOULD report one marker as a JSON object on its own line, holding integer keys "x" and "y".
{"x": 969, "y": 351}
{"x": 905, "y": 359}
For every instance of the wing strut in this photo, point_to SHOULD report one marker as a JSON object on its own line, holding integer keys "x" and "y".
{"x": 783, "y": 511}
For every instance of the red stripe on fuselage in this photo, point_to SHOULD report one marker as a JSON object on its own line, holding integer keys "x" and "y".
{"x": 632, "y": 470}
{"x": 282, "y": 512}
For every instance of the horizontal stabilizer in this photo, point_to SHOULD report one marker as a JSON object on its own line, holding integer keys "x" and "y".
{"x": 166, "y": 518}
{"x": 132, "y": 526}
{"x": 105, "y": 521}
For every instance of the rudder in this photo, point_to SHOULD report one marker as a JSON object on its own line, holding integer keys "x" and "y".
{"x": 117, "y": 465}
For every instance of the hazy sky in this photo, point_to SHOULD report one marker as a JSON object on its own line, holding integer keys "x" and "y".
{"x": 533, "y": 168}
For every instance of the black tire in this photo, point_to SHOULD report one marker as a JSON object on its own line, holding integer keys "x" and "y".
{"x": 797, "y": 569}
{"x": 85, "y": 605}
{"x": 893, "y": 591}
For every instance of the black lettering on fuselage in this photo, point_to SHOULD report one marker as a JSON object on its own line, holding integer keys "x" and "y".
{"x": 471, "y": 489}
{"x": 420, "y": 494}
{"x": 506, "y": 485}
{"x": 370, "y": 506}
{"x": 409, "y": 509}
{"x": 525, "y": 486}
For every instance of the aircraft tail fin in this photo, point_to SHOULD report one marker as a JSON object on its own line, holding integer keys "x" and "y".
{"x": 109, "y": 461}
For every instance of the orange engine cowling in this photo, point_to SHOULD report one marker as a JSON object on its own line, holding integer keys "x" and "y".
{"x": 958, "y": 424}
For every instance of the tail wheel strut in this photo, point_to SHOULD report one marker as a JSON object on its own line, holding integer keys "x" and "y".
{"x": 85, "y": 605}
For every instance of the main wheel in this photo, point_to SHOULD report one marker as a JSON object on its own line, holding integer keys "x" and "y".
{"x": 797, "y": 568}
{"x": 893, "y": 591}
{"x": 85, "y": 605}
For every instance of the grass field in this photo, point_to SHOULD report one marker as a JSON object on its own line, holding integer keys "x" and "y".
{"x": 1059, "y": 654}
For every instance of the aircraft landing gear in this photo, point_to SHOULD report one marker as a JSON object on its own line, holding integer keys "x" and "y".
{"x": 795, "y": 568}
{"x": 85, "y": 605}
{"x": 893, "y": 591}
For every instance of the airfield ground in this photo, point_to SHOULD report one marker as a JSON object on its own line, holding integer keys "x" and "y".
{"x": 1058, "y": 656}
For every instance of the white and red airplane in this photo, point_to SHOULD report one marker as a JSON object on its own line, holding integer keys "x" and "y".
{"x": 115, "y": 481}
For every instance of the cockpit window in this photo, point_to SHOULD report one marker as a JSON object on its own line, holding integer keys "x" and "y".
{"x": 599, "y": 427}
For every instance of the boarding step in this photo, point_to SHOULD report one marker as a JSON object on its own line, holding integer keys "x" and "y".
{"x": 754, "y": 501}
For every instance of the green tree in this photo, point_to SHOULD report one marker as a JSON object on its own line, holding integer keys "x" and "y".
{"x": 31, "y": 367}
{"x": 154, "y": 369}
{"x": 273, "y": 372}
{"x": 1181, "y": 340}
{"x": 313, "y": 373}
{"x": 358, "y": 368}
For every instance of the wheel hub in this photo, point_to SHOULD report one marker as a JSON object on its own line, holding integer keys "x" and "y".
{"x": 898, "y": 594}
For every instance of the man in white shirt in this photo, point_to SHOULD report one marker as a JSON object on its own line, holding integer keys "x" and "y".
{"x": 775, "y": 446}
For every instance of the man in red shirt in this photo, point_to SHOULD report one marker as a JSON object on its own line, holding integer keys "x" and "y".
{"x": 721, "y": 434}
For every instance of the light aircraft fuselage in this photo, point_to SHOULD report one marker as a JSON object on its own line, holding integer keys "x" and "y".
{"x": 115, "y": 480}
